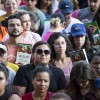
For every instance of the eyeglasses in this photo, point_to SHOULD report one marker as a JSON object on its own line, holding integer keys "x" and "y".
{"x": 30, "y": 0}
{"x": 59, "y": 43}
{"x": 39, "y": 52}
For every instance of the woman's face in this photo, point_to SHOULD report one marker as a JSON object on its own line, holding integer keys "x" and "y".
{"x": 26, "y": 22}
{"x": 83, "y": 83}
{"x": 42, "y": 54}
{"x": 79, "y": 41}
{"x": 31, "y": 4}
{"x": 41, "y": 82}
{"x": 96, "y": 64}
{"x": 60, "y": 45}
{"x": 3, "y": 81}
{"x": 11, "y": 6}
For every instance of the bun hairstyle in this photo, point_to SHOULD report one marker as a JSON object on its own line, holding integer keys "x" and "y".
{"x": 55, "y": 22}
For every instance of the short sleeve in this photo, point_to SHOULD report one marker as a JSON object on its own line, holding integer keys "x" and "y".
{"x": 20, "y": 78}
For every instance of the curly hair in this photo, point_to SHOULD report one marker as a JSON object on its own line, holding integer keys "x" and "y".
{"x": 86, "y": 45}
{"x": 51, "y": 41}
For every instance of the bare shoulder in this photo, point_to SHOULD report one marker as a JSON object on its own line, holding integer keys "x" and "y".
{"x": 15, "y": 97}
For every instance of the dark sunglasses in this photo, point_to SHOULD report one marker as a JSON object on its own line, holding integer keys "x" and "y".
{"x": 39, "y": 52}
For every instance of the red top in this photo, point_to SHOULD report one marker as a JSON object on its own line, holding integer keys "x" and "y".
{"x": 28, "y": 96}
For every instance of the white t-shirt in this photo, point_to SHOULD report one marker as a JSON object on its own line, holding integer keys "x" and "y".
{"x": 73, "y": 21}
{"x": 30, "y": 38}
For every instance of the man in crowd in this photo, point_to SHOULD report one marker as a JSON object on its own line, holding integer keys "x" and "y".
{"x": 14, "y": 28}
{"x": 41, "y": 55}
{"x": 86, "y": 14}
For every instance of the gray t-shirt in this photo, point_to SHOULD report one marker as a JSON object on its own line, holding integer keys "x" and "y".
{"x": 85, "y": 15}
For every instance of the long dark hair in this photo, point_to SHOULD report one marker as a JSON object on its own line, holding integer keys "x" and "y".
{"x": 51, "y": 41}
{"x": 86, "y": 45}
{"x": 82, "y": 70}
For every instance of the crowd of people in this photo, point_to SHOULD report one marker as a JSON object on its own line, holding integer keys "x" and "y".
{"x": 57, "y": 31}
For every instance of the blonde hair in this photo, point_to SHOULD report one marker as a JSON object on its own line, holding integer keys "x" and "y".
{"x": 55, "y": 22}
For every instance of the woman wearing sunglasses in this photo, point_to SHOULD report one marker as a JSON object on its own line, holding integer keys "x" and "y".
{"x": 41, "y": 55}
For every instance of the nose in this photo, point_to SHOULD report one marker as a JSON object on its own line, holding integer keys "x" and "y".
{"x": 15, "y": 27}
{"x": 42, "y": 83}
{"x": 79, "y": 38}
{"x": 60, "y": 45}
{"x": 43, "y": 53}
{"x": 27, "y": 22}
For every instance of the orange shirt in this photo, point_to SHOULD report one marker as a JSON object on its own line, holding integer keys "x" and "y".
{"x": 3, "y": 32}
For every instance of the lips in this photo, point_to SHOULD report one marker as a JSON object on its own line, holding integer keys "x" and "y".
{"x": 61, "y": 50}
{"x": 15, "y": 32}
{"x": 43, "y": 58}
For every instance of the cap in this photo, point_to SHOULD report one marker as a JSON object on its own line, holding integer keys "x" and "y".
{"x": 2, "y": 12}
{"x": 97, "y": 83}
{"x": 78, "y": 29}
{"x": 3, "y": 47}
{"x": 66, "y": 6}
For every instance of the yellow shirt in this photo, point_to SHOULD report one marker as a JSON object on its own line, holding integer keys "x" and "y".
{"x": 2, "y": 18}
{"x": 13, "y": 66}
